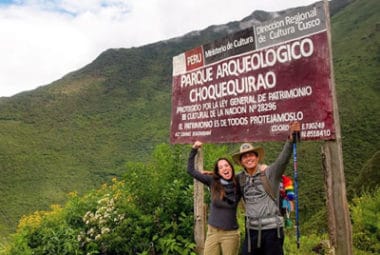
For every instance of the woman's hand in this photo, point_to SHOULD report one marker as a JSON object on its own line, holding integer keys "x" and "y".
{"x": 197, "y": 145}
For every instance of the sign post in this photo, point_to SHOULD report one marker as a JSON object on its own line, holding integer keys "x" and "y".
{"x": 199, "y": 207}
{"x": 340, "y": 230}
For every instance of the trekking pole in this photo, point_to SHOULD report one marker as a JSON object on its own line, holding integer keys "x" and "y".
{"x": 296, "y": 136}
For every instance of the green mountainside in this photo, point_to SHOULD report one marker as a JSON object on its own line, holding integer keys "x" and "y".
{"x": 81, "y": 130}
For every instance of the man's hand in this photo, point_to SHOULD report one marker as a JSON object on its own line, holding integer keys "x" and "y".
{"x": 294, "y": 127}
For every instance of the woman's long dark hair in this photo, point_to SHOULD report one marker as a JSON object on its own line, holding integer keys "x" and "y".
{"x": 217, "y": 189}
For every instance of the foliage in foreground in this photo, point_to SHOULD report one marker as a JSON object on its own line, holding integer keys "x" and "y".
{"x": 150, "y": 211}
{"x": 366, "y": 221}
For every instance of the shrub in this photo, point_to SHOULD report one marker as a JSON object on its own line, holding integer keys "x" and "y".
{"x": 149, "y": 211}
{"x": 366, "y": 222}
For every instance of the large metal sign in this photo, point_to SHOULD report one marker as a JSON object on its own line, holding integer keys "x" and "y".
{"x": 249, "y": 85}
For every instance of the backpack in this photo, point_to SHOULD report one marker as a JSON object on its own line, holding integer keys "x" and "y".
{"x": 286, "y": 196}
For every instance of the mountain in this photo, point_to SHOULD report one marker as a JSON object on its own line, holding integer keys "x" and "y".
{"x": 79, "y": 131}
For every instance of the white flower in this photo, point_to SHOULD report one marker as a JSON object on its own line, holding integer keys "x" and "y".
{"x": 105, "y": 230}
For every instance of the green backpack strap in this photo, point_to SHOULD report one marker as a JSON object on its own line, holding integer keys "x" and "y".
{"x": 268, "y": 189}
{"x": 242, "y": 181}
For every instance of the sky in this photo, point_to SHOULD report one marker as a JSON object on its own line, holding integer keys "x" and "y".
{"x": 43, "y": 40}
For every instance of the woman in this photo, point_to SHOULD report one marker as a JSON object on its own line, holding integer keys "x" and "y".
{"x": 223, "y": 236}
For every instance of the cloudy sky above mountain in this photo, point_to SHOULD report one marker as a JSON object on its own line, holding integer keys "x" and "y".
{"x": 42, "y": 40}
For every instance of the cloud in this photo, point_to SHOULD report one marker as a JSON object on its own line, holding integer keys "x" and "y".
{"x": 42, "y": 40}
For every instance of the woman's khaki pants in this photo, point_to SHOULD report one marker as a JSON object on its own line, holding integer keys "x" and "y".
{"x": 222, "y": 242}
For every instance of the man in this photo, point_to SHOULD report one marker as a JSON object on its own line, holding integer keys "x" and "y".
{"x": 260, "y": 190}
